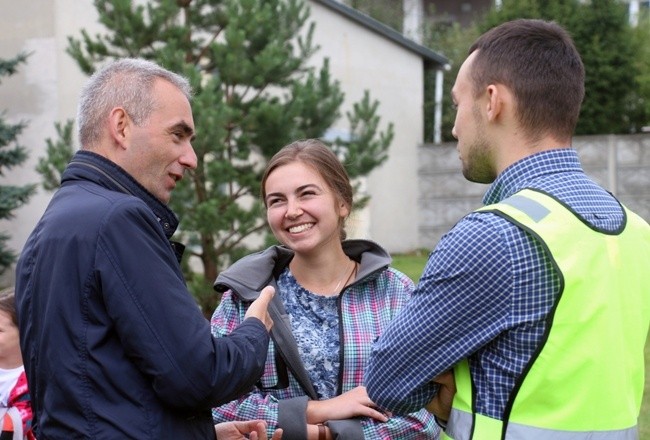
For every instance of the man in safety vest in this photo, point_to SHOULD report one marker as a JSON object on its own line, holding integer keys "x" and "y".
{"x": 539, "y": 301}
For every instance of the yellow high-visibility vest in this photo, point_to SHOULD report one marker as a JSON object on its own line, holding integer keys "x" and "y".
{"x": 586, "y": 379}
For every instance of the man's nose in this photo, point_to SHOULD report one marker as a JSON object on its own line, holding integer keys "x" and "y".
{"x": 189, "y": 159}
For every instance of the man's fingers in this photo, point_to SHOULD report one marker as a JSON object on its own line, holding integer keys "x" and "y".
{"x": 267, "y": 295}
{"x": 446, "y": 379}
{"x": 259, "y": 308}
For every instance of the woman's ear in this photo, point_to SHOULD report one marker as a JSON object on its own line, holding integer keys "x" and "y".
{"x": 344, "y": 210}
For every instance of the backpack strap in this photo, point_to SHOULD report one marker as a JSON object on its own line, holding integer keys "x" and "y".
{"x": 286, "y": 345}
{"x": 11, "y": 423}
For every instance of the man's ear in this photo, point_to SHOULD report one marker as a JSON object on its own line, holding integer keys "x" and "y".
{"x": 501, "y": 102}
{"x": 494, "y": 105}
{"x": 119, "y": 125}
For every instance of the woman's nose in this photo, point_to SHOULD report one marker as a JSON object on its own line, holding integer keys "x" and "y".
{"x": 293, "y": 209}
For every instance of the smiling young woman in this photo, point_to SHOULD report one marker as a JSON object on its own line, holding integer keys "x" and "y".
{"x": 334, "y": 297}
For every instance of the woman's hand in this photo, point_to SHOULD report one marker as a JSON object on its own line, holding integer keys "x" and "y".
{"x": 353, "y": 403}
{"x": 256, "y": 430}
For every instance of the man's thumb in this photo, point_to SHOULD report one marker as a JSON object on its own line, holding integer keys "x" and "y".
{"x": 267, "y": 294}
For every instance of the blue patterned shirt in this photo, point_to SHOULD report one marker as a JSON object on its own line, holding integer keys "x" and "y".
{"x": 484, "y": 294}
{"x": 315, "y": 326}
{"x": 334, "y": 337}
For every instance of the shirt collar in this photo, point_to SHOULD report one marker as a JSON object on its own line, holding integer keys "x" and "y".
{"x": 522, "y": 173}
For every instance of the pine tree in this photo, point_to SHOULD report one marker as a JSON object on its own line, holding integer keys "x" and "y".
{"x": 11, "y": 154}
{"x": 616, "y": 59}
{"x": 254, "y": 93}
{"x": 642, "y": 60}
{"x": 389, "y": 12}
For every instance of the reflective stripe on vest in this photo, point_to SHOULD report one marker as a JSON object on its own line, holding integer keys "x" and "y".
{"x": 587, "y": 380}
{"x": 460, "y": 425}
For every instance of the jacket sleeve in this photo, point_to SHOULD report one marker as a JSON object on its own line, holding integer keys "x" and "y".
{"x": 159, "y": 323}
{"x": 445, "y": 321}
{"x": 412, "y": 426}
{"x": 397, "y": 290}
{"x": 256, "y": 404}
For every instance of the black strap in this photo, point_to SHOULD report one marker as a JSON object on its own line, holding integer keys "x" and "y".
{"x": 286, "y": 345}
{"x": 282, "y": 371}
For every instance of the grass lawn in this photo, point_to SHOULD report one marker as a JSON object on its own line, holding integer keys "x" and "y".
{"x": 412, "y": 265}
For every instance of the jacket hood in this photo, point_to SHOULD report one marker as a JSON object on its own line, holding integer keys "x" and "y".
{"x": 249, "y": 275}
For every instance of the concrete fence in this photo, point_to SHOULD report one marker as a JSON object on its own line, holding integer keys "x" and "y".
{"x": 620, "y": 163}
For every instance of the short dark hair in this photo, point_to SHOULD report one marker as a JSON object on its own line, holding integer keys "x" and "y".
{"x": 8, "y": 304}
{"x": 538, "y": 61}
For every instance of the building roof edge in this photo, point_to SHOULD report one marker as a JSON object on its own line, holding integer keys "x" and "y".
{"x": 384, "y": 30}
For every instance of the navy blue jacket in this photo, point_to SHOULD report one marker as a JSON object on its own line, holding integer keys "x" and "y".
{"x": 114, "y": 345}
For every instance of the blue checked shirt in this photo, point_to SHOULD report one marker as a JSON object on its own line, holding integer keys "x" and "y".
{"x": 484, "y": 294}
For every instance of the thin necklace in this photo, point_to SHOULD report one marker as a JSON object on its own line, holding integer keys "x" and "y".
{"x": 336, "y": 289}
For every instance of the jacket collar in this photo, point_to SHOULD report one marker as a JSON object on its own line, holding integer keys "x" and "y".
{"x": 249, "y": 275}
{"x": 86, "y": 165}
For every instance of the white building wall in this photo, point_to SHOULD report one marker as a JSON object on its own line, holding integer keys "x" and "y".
{"x": 43, "y": 91}
{"x": 46, "y": 88}
{"x": 361, "y": 59}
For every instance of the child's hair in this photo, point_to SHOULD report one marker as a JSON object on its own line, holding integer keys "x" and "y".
{"x": 8, "y": 304}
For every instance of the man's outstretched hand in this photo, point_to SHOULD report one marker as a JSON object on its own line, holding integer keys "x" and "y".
{"x": 259, "y": 308}
{"x": 255, "y": 429}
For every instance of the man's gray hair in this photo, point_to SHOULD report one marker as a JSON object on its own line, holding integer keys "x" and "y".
{"x": 126, "y": 83}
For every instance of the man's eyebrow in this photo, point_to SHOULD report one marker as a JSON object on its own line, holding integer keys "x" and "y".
{"x": 187, "y": 130}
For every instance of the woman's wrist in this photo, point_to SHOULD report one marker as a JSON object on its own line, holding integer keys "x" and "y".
{"x": 318, "y": 432}
{"x": 322, "y": 432}
{"x": 313, "y": 413}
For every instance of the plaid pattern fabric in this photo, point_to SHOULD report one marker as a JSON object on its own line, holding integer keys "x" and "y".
{"x": 484, "y": 294}
{"x": 365, "y": 310}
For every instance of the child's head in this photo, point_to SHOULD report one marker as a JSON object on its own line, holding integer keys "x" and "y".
{"x": 8, "y": 305}
{"x": 10, "y": 356}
